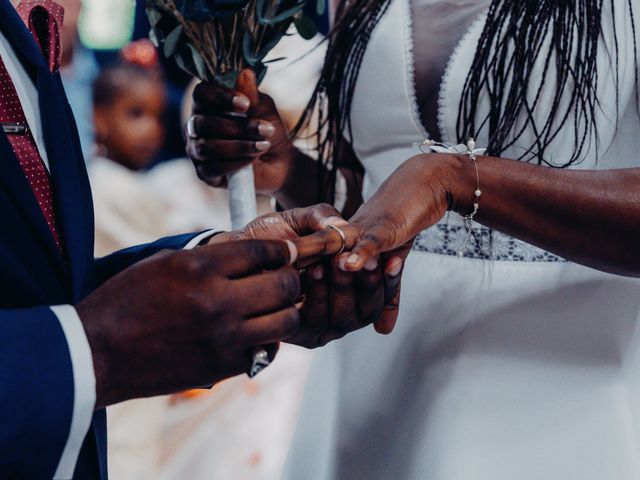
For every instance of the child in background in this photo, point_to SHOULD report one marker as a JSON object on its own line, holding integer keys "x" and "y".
{"x": 133, "y": 205}
{"x": 241, "y": 429}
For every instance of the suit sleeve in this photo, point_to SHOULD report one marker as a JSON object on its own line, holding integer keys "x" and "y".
{"x": 38, "y": 387}
{"x": 113, "y": 264}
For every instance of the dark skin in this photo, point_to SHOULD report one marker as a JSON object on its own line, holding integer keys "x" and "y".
{"x": 595, "y": 213}
{"x": 334, "y": 303}
{"x": 589, "y": 217}
{"x": 203, "y": 329}
{"x": 213, "y": 305}
{"x": 131, "y": 128}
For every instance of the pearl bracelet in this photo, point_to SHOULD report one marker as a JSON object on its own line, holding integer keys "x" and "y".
{"x": 431, "y": 146}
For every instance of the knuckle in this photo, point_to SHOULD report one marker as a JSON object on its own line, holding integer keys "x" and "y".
{"x": 327, "y": 209}
{"x": 257, "y": 251}
{"x": 289, "y": 284}
{"x": 290, "y": 322}
{"x": 192, "y": 265}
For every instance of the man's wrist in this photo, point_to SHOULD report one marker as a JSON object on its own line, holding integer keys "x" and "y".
{"x": 222, "y": 237}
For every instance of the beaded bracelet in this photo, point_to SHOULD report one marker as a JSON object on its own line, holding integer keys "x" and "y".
{"x": 431, "y": 146}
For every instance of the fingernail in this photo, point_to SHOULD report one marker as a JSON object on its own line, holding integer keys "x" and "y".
{"x": 191, "y": 128}
{"x": 266, "y": 130}
{"x": 240, "y": 102}
{"x": 293, "y": 252}
{"x": 395, "y": 267}
{"x": 335, "y": 221}
{"x": 342, "y": 262}
{"x": 262, "y": 146}
{"x": 317, "y": 272}
{"x": 353, "y": 259}
{"x": 371, "y": 265}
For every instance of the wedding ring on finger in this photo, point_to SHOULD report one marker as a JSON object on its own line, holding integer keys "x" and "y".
{"x": 191, "y": 127}
{"x": 260, "y": 361}
{"x": 343, "y": 237}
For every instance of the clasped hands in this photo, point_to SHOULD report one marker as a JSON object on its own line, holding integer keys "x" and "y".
{"x": 334, "y": 301}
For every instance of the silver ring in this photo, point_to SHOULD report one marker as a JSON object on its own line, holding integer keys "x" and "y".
{"x": 260, "y": 361}
{"x": 191, "y": 127}
{"x": 343, "y": 237}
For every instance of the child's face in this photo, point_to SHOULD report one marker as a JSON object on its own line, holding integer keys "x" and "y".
{"x": 131, "y": 128}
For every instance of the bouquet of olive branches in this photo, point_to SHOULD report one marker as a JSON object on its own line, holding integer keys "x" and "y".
{"x": 214, "y": 40}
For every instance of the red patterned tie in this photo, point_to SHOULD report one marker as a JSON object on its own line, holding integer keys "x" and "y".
{"x": 23, "y": 144}
{"x": 44, "y": 19}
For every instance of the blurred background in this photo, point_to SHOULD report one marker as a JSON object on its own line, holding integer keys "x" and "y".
{"x": 130, "y": 106}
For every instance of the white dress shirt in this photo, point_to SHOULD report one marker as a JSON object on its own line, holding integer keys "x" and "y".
{"x": 79, "y": 349}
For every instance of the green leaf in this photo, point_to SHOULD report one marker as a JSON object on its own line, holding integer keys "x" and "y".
{"x": 154, "y": 38}
{"x": 262, "y": 8}
{"x": 247, "y": 49}
{"x": 271, "y": 42}
{"x": 306, "y": 27}
{"x": 321, "y": 6}
{"x": 198, "y": 61}
{"x": 154, "y": 16}
{"x": 186, "y": 66}
{"x": 228, "y": 79}
{"x": 170, "y": 45}
{"x": 261, "y": 71}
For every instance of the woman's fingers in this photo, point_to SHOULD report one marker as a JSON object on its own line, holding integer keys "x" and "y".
{"x": 213, "y": 97}
{"x": 229, "y": 127}
{"x": 392, "y": 285}
{"x": 367, "y": 244}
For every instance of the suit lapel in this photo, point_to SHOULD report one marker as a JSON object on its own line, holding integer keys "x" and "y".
{"x": 20, "y": 38}
{"x": 71, "y": 192}
{"x": 11, "y": 175}
{"x": 68, "y": 176}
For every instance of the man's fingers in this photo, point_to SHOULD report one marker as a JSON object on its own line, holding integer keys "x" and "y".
{"x": 342, "y": 304}
{"x": 213, "y": 97}
{"x": 325, "y": 242}
{"x": 246, "y": 257}
{"x": 318, "y": 217}
{"x": 270, "y": 328}
{"x": 268, "y": 292}
{"x": 315, "y": 311}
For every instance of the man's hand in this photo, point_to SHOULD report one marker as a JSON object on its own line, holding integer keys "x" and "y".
{"x": 335, "y": 302}
{"x": 234, "y": 128}
{"x": 186, "y": 319}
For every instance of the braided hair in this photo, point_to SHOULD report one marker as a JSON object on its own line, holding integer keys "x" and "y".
{"x": 511, "y": 42}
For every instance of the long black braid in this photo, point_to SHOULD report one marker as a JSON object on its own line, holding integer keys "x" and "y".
{"x": 514, "y": 38}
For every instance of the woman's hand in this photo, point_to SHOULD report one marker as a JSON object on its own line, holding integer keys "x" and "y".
{"x": 230, "y": 129}
{"x": 292, "y": 225}
{"x": 336, "y": 302}
{"x": 415, "y": 197}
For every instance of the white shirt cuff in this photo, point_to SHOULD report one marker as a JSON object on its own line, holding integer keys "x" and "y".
{"x": 194, "y": 242}
{"x": 84, "y": 381}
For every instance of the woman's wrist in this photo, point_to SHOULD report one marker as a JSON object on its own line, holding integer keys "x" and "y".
{"x": 457, "y": 174}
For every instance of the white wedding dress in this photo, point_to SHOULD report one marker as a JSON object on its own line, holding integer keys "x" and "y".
{"x": 508, "y": 364}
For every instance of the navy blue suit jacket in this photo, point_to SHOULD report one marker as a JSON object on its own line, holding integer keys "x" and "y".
{"x": 36, "y": 377}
